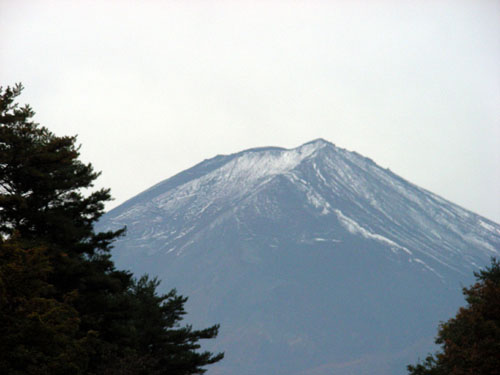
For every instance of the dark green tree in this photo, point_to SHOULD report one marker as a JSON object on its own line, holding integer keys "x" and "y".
{"x": 38, "y": 332}
{"x": 41, "y": 180}
{"x": 43, "y": 205}
{"x": 471, "y": 340}
{"x": 173, "y": 350}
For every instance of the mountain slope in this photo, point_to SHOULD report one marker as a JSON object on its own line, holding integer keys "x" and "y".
{"x": 314, "y": 260}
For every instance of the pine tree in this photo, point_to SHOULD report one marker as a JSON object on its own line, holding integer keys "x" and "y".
{"x": 42, "y": 205}
{"x": 471, "y": 340}
{"x": 41, "y": 202}
{"x": 41, "y": 180}
{"x": 38, "y": 332}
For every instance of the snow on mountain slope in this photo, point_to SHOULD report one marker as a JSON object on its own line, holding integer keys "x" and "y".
{"x": 312, "y": 259}
{"x": 366, "y": 199}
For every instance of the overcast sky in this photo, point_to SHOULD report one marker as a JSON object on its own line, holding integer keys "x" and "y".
{"x": 154, "y": 87}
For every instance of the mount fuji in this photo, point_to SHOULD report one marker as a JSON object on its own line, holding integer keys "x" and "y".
{"x": 314, "y": 260}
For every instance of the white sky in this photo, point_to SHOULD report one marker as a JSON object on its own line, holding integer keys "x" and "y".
{"x": 154, "y": 87}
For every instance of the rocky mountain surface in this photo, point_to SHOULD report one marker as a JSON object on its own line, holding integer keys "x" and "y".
{"x": 314, "y": 260}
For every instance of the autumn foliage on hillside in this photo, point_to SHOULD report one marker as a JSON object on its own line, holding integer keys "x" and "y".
{"x": 470, "y": 342}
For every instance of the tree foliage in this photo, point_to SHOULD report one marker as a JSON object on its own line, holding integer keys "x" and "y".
{"x": 64, "y": 307}
{"x": 38, "y": 332}
{"x": 471, "y": 340}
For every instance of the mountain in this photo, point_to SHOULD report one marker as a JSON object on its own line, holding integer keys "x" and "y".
{"x": 314, "y": 260}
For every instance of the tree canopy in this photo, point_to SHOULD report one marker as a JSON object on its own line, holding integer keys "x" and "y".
{"x": 64, "y": 307}
{"x": 470, "y": 342}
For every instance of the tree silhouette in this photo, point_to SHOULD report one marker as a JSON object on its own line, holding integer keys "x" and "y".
{"x": 61, "y": 294}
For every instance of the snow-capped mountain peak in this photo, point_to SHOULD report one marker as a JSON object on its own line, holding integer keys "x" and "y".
{"x": 314, "y": 234}
{"x": 347, "y": 189}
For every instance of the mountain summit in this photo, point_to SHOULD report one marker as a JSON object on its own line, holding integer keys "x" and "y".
{"x": 315, "y": 260}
